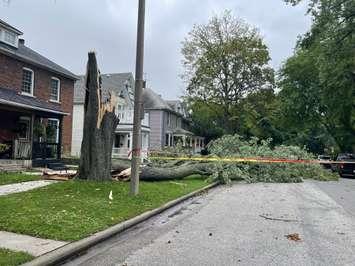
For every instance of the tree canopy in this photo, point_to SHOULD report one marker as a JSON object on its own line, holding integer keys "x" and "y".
{"x": 318, "y": 82}
{"x": 230, "y": 84}
{"x": 225, "y": 60}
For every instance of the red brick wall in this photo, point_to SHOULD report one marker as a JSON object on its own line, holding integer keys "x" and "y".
{"x": 11, "y": 78}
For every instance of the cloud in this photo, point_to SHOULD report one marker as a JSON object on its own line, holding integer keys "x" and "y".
{"x": 65, "y": 30}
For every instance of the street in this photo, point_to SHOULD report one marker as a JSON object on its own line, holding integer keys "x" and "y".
{"x": 245, "y": 224}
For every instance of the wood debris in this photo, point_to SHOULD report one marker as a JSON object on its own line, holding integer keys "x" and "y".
{"x": 293, "y": 237}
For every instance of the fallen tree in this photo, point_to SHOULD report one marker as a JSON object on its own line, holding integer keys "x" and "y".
{"x": 235, "y": 146}
{"x": 153, "y": 173}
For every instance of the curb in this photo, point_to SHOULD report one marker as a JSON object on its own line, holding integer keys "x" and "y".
{"x": 69, "y": 250}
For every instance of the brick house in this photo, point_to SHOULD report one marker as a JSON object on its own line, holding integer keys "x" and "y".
{"x": 36, "y": 102}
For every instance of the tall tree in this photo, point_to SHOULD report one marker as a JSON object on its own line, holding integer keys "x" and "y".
{"x": 225, "y": 60}
{"x": 100, "y": 122}
{"x": 331, "y": 44}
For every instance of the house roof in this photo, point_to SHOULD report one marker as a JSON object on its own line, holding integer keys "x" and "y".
{"x": 13, "y": 98}
{"x": 109, "y": 82}
{"x": 8, "y": 26}
{"x": 181, "y": 131}
{"x": 25, "y": 54}
{"x": 153, "y": 101}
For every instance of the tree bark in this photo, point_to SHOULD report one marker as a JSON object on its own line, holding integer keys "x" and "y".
{"x": 100, "y": 122}
{"x": 149, "y": 173}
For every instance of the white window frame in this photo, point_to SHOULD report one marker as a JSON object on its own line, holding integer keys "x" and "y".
{"x": 4, "y": 31}
{"x": 58, "y": 129}
{"x": 58, "y": 89}
{"x": 32, "y": 82}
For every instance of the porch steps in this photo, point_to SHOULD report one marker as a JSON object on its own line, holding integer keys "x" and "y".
{"x": 14, "y": 165}
{"x": 11, "y": 168}
{"x": 57, "y": 166}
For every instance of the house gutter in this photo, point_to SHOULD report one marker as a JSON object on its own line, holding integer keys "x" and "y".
{"x": 6, "y": 102}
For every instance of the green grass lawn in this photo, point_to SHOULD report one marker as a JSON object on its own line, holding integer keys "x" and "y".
{"x": 10, "y": 258}
{"x": 75, "y": 209}
{"x": 11, "y": 178}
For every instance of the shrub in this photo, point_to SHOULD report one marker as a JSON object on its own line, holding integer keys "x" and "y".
{"x": 236, "y": 146}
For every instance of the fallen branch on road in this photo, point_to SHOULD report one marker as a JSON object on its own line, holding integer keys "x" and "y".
{"x": 278, "y": 219}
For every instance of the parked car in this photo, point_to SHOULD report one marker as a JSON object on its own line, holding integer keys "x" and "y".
{"x": 348, "y": 167}
{"x": 325, "y": 161}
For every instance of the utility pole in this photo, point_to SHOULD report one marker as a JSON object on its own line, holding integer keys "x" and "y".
{"x": 138, "y": 103}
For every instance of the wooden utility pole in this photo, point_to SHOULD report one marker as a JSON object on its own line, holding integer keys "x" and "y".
{"x": 138, "y": 103}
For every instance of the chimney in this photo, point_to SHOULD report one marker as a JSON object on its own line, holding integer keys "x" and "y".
{"x": 22, "y": 41}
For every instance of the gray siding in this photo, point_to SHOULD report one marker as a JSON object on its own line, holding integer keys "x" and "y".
{"x": 174, "y": 124}
{"x": 156, "y": 129}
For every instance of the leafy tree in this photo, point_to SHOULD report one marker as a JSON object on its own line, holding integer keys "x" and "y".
{"x": 257, "y": 116}
{"x": 225, "y": 60}
{"x": 322, "y": 73}
{"x": 205, "y": 119}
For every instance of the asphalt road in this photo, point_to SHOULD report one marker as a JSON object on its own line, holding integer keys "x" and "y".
{"x": 243, "y": 225}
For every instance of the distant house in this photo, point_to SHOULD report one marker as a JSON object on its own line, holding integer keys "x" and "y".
{"x": 169, "y": 123}
{"x": 36, "y": 102}
{"x": 122, "y": 85}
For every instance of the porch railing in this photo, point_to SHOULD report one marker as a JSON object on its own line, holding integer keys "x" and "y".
{"x": 121, "y": 152}
{"x": 22, "y": 149}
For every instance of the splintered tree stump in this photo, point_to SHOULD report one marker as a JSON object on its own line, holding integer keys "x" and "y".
{"x": 100, "y": 122}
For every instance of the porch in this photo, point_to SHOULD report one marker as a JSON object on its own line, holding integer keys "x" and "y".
{"x": 122, "y": 145}
{"x": 187, "y": 140}
{"x": 33, "y": 137}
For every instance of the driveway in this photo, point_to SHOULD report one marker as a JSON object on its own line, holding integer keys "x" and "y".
{"x": 245, "y": 224}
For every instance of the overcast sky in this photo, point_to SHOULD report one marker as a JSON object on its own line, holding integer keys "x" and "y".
{"x": 65, "y": 30}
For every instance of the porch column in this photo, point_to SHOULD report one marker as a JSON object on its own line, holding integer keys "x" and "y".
{"x": 60, "y": 138}
{"x": 130, "y": 141}
{"x": 31, "y": 135}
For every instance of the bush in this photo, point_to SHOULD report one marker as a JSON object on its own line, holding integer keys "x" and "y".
{"x": 236, "y": 146}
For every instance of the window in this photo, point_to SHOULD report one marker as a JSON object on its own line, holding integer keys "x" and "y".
{"x": 55, "y": 90}
{"x": 178, "y": 122}
{"x": 53, "y": 130}
{"x": 10, "y": 37}
{"x": 27, "y": 81}
{"x": 24, "y": 128}
{"x": 167, "y": 139}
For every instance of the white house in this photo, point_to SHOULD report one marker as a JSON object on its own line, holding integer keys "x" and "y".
{"x": 122, "y": 84}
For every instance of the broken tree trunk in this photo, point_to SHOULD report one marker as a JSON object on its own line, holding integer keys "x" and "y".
{"x": 149, "y": 173}
{"x": 100, "y": 122}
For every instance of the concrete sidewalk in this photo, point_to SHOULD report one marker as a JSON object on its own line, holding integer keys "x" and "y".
{"x": 24, "y": 186}
{"x": 32, "y": 245}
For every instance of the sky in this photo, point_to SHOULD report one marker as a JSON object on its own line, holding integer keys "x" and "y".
{"x": 65, "y": 30}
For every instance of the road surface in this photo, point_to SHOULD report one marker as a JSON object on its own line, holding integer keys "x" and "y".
{"x": 245, "y": 224}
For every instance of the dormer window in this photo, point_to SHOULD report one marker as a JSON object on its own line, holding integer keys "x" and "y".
{"x": 10, "y": 38}
{"x": 9, "y": 34}
{"x": 27, "y": 81}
